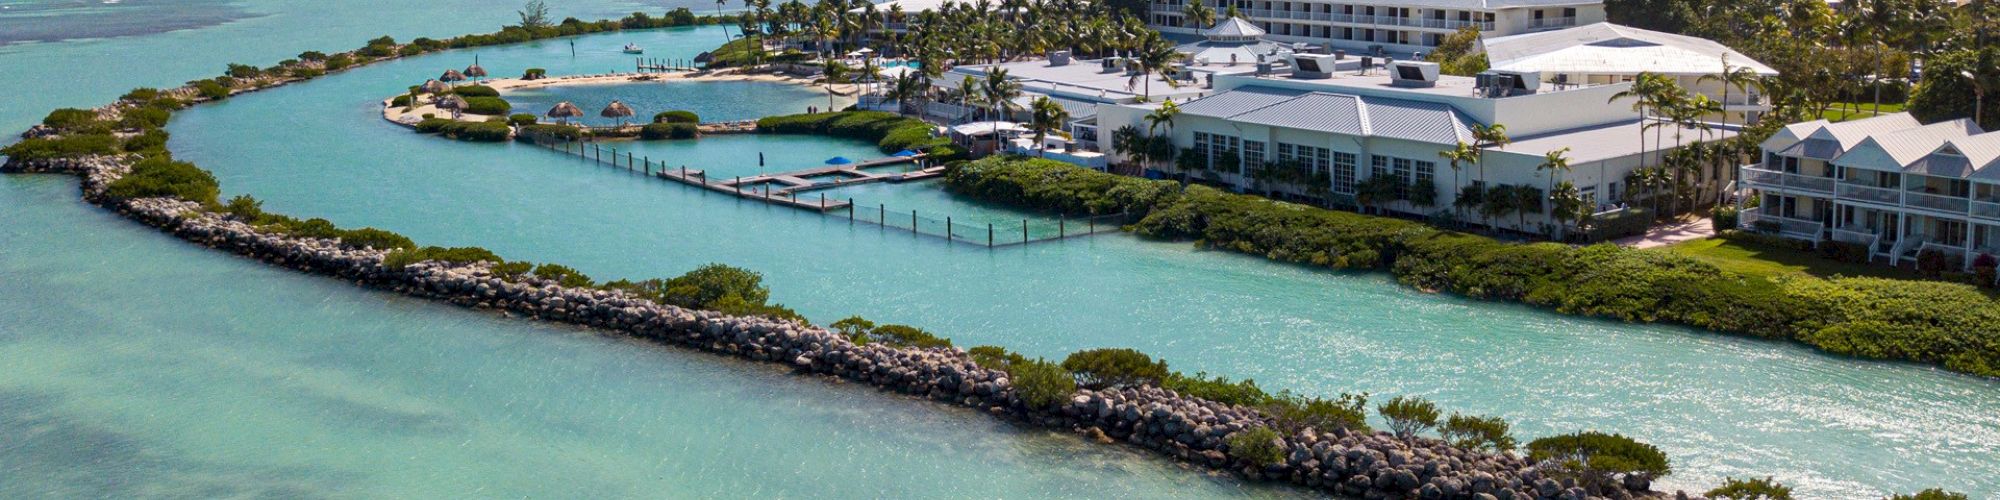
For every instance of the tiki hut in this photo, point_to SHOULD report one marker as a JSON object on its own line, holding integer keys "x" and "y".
{"x": 434, "y": 87}
{"x": 452, "y": 103}
{"x": 617, "y": 110}
{"x": 475, "y": 71}
{"x": 452, "y": 76}
{"x": 563, "y": 111}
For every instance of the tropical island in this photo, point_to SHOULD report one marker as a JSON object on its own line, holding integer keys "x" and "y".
{"x": 1219, "y": 191}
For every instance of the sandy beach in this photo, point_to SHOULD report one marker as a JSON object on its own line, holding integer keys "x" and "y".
{"x": 411, "y": 116}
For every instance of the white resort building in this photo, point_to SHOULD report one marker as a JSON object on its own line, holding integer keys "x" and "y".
{"x": 1397, "y": 28}
{"x": 1605, "y": 53}
{"x": 1890, "y": 183}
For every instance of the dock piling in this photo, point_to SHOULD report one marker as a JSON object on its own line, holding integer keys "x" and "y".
{"x": 989, "y": 235}
{"x": 1024, "y": 231}
{"x": 947, "y": 228}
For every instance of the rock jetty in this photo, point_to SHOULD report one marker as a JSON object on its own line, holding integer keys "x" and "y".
{"x": 1190, "y": 429}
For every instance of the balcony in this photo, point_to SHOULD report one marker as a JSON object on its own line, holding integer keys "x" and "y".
{"x": 1551, "y": 23}
{"x": 1771, "y": 179}
{"x": 1947, "y": 204}
{"x": 1986, "y": 210}
{"x": 1786, "y": 226}
{"x": 1870, "y": 194}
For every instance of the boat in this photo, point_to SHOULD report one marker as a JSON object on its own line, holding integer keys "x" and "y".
{"x": 634, "y": 49}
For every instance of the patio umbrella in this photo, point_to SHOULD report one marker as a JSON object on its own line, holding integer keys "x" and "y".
{"x": 564, "y": 111}
{"x": 617, "y": 110}
{"x": 838, "y": 160}
{"x": 906, "y": 153}
{"x": 475, "y": 71}
{"x": 452, "y": 75}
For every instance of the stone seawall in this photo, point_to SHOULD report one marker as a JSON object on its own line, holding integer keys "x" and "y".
{"x": 1189, "y": 429}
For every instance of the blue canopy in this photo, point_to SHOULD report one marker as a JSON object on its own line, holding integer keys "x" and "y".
{"x": 906, "y": 153}
{"x": 838, "y": 160}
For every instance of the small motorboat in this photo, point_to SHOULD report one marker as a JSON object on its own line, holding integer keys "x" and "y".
{"x": 634, "y": 49}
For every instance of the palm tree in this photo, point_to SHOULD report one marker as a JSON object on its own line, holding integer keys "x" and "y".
{"x": 1154, "y": 56}
{"x": 718, "y": 14}
{"x": 1000, "y": 91}
{"x": 1646, "y": 92}
{"x": 1556, "y": 164}
{"x": 907, "y": 87}
{"x": 1164, "y": 115}
{"x": 1741, "y": 78}
{"x": 1458, "y": 158}
{"x": 1130, "y": 142}
{"x": 835, "y": 74}
{"x": 1488, "y": 136}
{"x": 1199, "y": 16}
{"x": 1568, "y": 205}
{"x": 1049, "y": 117}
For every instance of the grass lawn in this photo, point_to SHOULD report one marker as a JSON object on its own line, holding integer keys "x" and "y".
{"x": 1857, "y": 110}
{"x": 1758, "y": 260}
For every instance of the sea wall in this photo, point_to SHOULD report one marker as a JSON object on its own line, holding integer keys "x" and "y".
{"x": 1189, "y": 429}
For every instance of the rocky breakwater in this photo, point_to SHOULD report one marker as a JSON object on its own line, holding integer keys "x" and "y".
{"x": 1191, "y": 429}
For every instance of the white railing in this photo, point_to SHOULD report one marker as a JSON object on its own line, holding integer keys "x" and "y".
{"x": 1787, "y": 226}
{"x": 1986, "y": 210}
{"x": 1947, "y": 204}
{"x": 1552, "y": 22}
{"x": 1778, "y": 179}
{"x": 1870, "y": 194}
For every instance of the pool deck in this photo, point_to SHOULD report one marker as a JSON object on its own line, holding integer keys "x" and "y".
{"x": 795, "y": 182}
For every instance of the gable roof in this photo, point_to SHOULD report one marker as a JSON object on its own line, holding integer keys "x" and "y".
{"x": 1983, "y": 153}
{"x": 1233, "y": 27}
{"x": 1606, "y": 48}
{"x": 1336, "y": 113}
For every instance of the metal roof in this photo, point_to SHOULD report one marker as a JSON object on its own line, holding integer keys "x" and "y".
{"x": 1336, "y": 113}
{"x": 1233, "y": 27}
{"x": 1606, "y": 48}
{"x": 1603, "y": 142}
{"x": 1234, "y": 102}
{"x": 1983, "y": 153}
{"x": 1332, "y": 113}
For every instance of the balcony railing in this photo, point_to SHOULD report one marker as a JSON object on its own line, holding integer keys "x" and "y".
{"x": 1773, "y": 178}
{"x": 1787, "y": 226}
{"x": 1870, "y": 194}
{"x": 1419, "y": 22}
{"x": 1552, "y": 22}
{"x": 1946, "y": 204}
{"x": 1986, "y": 210}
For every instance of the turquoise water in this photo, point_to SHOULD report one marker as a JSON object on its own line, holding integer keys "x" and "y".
{"x": 1719, "y": 405}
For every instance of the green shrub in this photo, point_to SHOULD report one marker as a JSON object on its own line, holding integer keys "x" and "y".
{"x": 995, "y": 357}
{"x": 72, "y": 120}
{"x": 1409, "y": 415}
{"x": 676, "y": 116}
{"x": 161, "y": 176}
{"x": 471, "y": 91}
{"x": 491, "y": 106}
{"x": 339, "y": 61}
{"x": 1101, "y": 368}
{"x": 141, "y": 95}
{"x": 375, "y": 238}
{"x": 1259, "y": 446}
{"x": 906, "y": 336}
{"x": 68, "y": 146}
{"x": 892, "y": 133}
{"x": 709, "y": 284}
{"x": 400, "y": 101}
{"x": 152, "y": 141}
{"x": 1931, "y": 494}
{"x": 1596, "y": 457}
{"x": 1725, "y": 218}
{"x": 244, "y": 208}
{"x": 658, "y": 131}
{"x": 1218, "y": 389}
{"x": 563, "y": 275}
{"x": 520, "y": 119}
{"x": 211, "y": 89}
{"x": 570, "y": 132}
{"x": 513, "y": 271}
{"x": 459, "y": 255}
{"x": 1294, "y": 413}
{"x": 1754, "y": 489}
{"x": 1041, "y": 384}
{"x": 534, "y": 74}
{"x": 1058, "y": 186}
{"x": 854, "y": 327}
{"x": 1477, "y": 433}
{"x": 144, "y": 118}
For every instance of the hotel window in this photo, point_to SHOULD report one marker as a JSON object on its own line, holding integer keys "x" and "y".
{"x": 1284, "y": 152}
{"x": 1378, "y": 166}
{"x": 1253, "y": 155}
{"x": 1402, "y": 170}
{"x": 1343, "y": 172}
{"x": 1426, "y": 171}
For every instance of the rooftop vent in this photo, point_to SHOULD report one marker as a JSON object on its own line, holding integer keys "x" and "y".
{"x": 1413, "y": 74}
{"x": 1313, "y": 66}
{"x": 1059, "y": 58}
{"x": 1503, "y": 83}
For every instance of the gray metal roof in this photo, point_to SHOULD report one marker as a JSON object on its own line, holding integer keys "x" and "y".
{"x": 1233, "y": 27}
{"x": 1235, "y": 102}
{"x": 1941, "y": 166}
{"x": 1417, "y": 121}
{"x": 1332, "y": 113}
{"x": 1823, "y": 149}
{"x": 1336, "y": 113}
{"x": 1605, "y": 48}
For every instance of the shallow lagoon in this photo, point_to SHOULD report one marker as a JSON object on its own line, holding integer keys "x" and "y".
{"x": 128, "y": 404}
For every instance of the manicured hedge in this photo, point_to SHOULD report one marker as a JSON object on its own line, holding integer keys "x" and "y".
{"x": 1948, "y": 324}
{"x": 491, "y": 131}
{"x": 471, "y": 91}
{"x": 490, "y": 106}
{"x": 161, "y": 176}
{"x": 676, "y": 116}
{"x": 657, "y": 131}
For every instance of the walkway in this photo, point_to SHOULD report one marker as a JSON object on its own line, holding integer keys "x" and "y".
{"x": 783, "y": 188}
{"x": 1665, "y": 235}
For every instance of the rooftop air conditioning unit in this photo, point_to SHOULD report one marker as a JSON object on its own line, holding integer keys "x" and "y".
{"x": 1111, "y": 64}
{"x": 1525, "y": 82}
{"x": 1413, "y": 74}
{"x": 1059, "y": 58}
{"x": 1312, "y": 66}
{"x": 1503, "y": 83}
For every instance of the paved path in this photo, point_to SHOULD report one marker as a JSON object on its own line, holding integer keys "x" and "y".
{"x": 1669, "y": 234}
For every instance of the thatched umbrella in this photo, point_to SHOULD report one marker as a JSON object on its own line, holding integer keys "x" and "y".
{"x": 452, "y": 103}
{"x": 617, "y": 110}
{"x": 452, "y": 76}
{"x": 564, "y": 111}
{"x": 475, "y": 71}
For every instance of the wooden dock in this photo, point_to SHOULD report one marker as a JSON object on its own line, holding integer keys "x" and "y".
{"x": 784, "y": 188}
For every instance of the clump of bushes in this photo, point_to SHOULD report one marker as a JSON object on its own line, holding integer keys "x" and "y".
{"x": 658, "y": 131}
{"x": 891, "y": 132}
{"x": 1596, "y": 458}
{"x": 1058, "y": 186}
{"x": 1753, "y": 489}
{"x": 67, "y": 146}
{"x": 520, "y": 119}
{"x": 151, "y": 142}
{"x": 458, "y": 255}
{"x": 534, "y": 74}
{"x": 570, "y": 132}
{"x": 160, "y": 176}
{"x": 489, "y": 131}
{"x": 1258, "y": 446}
{"x": 564, "y": 275}
{"x": 1931, "y": 494}
{"x": 1101, "y": 368}
{"x": 1041, "y": 384}
{"x": 1409, "y": 415}
{"x": 212, "y": 89}
{"x": 676, "y": 116}
{"x": 471, "y": 91}
{"x": 490, "y": 106}
{"x": 68, "y": 120}
{"x": 1477, "y": 433}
